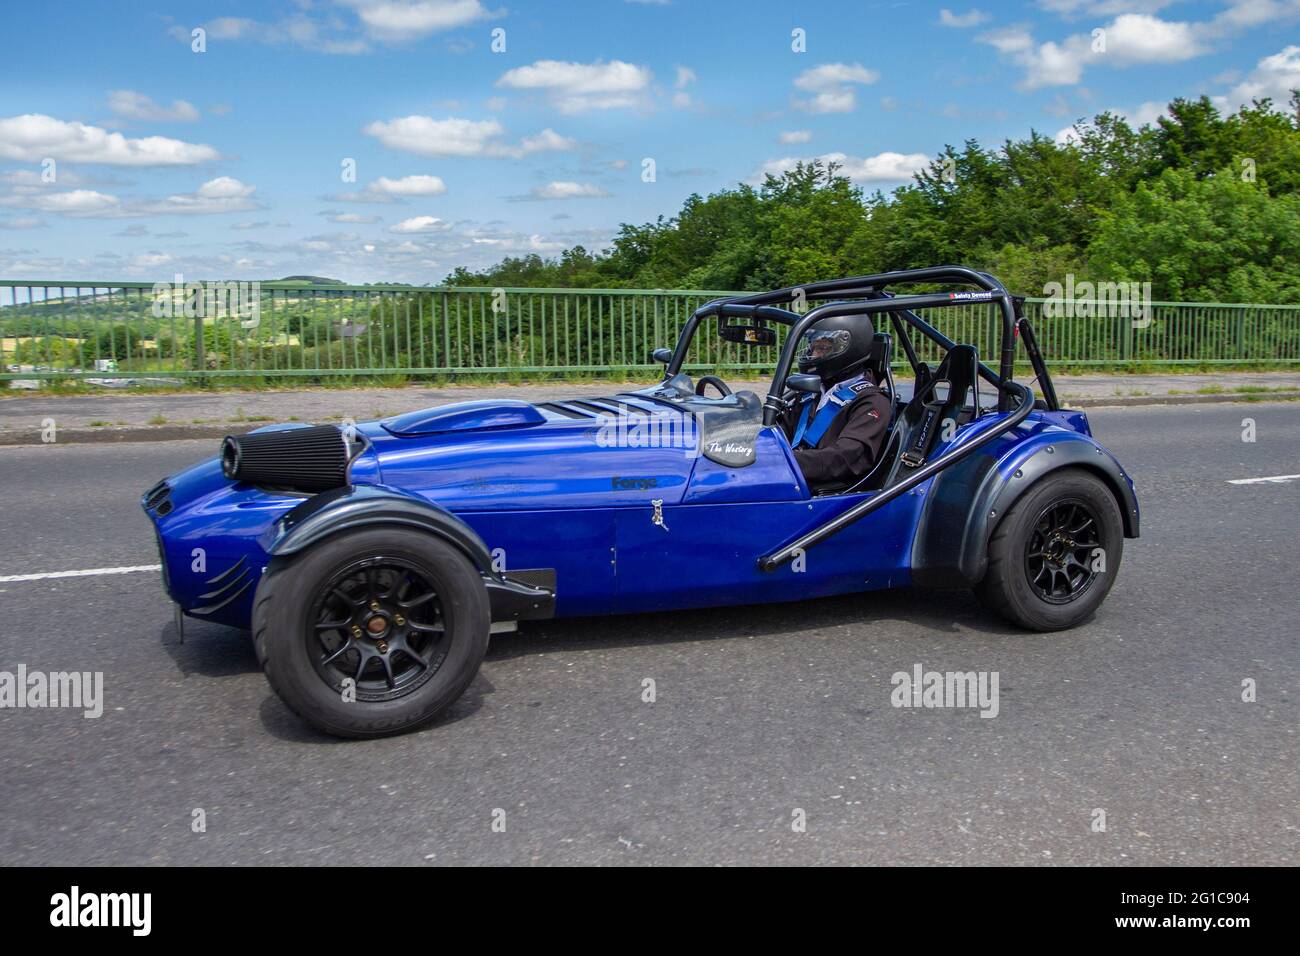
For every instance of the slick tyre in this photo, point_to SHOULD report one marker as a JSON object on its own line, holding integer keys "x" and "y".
{"x": 1055, "y": 555}
{"x": 373, "y": 632}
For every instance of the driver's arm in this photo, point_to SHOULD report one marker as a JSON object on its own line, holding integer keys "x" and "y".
{"x": 850, "y": 446}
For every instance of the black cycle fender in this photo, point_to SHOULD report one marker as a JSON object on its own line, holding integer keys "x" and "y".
{"x": 965, "y": 504}
{"x": 522, "y": 596}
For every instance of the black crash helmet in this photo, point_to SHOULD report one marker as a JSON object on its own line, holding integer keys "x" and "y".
{"x": 836, "y": 345}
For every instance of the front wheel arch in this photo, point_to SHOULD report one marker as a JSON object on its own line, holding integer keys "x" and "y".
{"x": 364, "y": 506}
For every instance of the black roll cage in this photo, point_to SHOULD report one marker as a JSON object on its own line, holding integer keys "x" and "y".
{"x": 872, "y": 298}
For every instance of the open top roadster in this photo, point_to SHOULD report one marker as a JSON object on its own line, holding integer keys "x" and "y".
{"x": 372, "y": 562}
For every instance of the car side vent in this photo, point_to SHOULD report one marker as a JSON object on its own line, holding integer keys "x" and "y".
{"x": 159, "y": 498}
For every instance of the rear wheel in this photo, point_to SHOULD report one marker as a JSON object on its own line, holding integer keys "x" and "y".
{"x": 1054, "y": 556}
{"x": 371, "y": 633}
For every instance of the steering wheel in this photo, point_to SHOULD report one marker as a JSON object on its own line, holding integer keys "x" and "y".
{"x": 713, "y": 380}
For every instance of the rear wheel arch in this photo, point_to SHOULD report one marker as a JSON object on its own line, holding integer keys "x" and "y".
{"x": 965, "y": 506}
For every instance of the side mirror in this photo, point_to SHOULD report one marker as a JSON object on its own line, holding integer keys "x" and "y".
{"x": 663, "y": 356}
{"x": 805, "y": 382}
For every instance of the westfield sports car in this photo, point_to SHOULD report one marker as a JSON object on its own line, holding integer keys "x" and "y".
{"x": 372, "y": 562}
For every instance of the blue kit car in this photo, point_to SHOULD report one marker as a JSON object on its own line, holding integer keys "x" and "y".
{"x": 372, "y": 561}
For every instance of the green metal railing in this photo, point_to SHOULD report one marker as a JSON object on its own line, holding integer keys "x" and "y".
{"x": 283, "y": 330}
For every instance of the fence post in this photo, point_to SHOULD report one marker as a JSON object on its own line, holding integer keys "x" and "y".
{"x": 200, "y": 358}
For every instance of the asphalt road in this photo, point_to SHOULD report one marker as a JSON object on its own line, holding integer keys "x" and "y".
{"x": 759, "y": 712}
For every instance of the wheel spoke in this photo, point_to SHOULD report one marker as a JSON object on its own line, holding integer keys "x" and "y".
{"x": 332, "y": 625}
{"x": 404, "y": 645}
{"x": 363, "y": 663}
{"x": 425, "y": 628}
{"x": 387, "y": 661}
{"x": 417, "y": 601}
{"x": 338, "y": 652}
{"x": 398, "y": 579}
{"x": 346, "y": 598}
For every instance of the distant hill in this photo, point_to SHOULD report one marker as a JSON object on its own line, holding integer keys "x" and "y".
{"x": 310, "y": 280}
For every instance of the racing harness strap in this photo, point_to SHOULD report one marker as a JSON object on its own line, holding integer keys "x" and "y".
{"x": 812, "y": 426}
{"x": 924, "y": 417}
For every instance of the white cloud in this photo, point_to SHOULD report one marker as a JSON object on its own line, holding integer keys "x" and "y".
{"x": 1274, "y": 76}
{"x": 409, "y": 186}
{"x": 419, "y": 224}
{"x": 1139, "y": 38}
{"x": 399, "y": 20}
{"x": 328, "y": 35}
{"x": 568, "y": 190}
{"x": 548, "y": 140}
{"x": 352, "y": 217}
{"x": 1135, "y": 36}
{"x": 685, "y": 77}
{"x": 1131, "y": 38}
{"x": 453, "y": 136}
{"x": 385, "y": 190}
{"x": 962, "y": 21}
{"x": 34, "y": 136}
{"x": 578, "y": 87}
{"x": 223, "y": 194}
{"x": 887, "y": 167}
{"x": 136, "y": 106}
{"x": 72, "y": 202}
{"x": 795, "y": 136}
{"x": 832, "y": 86}
{"x": 150, "y": 260}
{"x": 1072, "y": 9}
{"x": 21, "y": 223}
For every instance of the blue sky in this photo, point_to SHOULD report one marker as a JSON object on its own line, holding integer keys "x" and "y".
{"x": 229, "y": 163}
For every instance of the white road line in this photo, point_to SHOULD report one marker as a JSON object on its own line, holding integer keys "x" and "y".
{"x": 85, "y": 573}
{"x": 1271, "y": 480}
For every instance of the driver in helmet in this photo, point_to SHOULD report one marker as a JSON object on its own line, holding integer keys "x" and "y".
{"x": 837, "y": 435}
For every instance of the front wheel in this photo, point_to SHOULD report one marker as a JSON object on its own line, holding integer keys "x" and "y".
{"x": 372, "y": 632}
{"x": 1054, "y": 556}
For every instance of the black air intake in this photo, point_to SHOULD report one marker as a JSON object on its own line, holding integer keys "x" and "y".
{"x": 308, "y": 459}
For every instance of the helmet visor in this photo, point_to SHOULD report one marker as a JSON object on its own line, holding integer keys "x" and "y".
{"x": 818, "y": 346}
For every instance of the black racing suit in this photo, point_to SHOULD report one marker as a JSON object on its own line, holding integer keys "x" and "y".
{"x": 851, "y": 445}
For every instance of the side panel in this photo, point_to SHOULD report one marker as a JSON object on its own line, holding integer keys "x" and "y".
{"x": 708, "y": 554}
{"x": 577, "y": 543}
